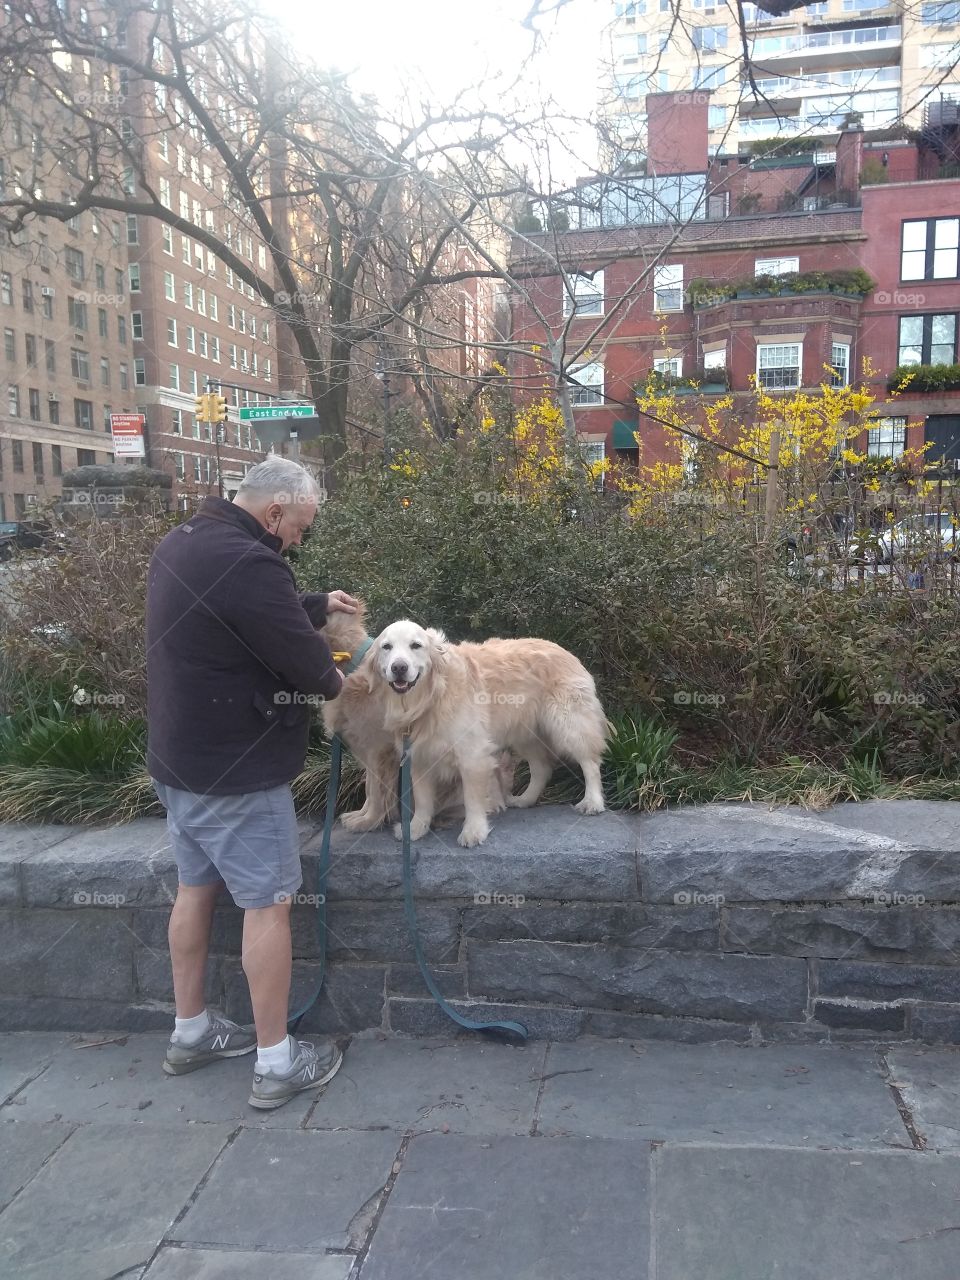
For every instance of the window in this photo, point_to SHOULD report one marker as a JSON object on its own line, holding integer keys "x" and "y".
{"x": 76, "y": 313}
{"x": 673, "y": 365}
{"x": 10, "y": 344}
{"x": 887, "y": 438}
{"x": 178, "y": 422}
{"x": 779, "y": 365}
{"x": 185, "y": 251}
{"x": 80, "y": 364}
{"x": 6, "y": 288}
{"x": 943, "y": 13}
{"x": 122, "y": 330}
{"x": 840, "y": 363}
{"x": 38, "y": 460}
{"x": 134, "y": 270}
{"x": 104, "y": 371}
{"x": 929, "y": 249}
{"x": 102, "y": 322}
{"x": 136, "y": 323}
{"x": 118, "y": 279}
{"x": 16, "y": 450}
{"x": 140, "y": 373}
{"x": 171, "y": 332}
{"x": 167, "y": 235}
{"x": 586, "y": 383}
{"x": 214, "y": 349}
{"x": 165, "y": 197}
{"x": 50, "y": 354}
{"x": 775, "y": 266}
{"x": 203, "y": 344}
{"x": 214, "y": 305}
{"x": 928, "y": 339}
{"x": 709, "y": 77}
{"x": 34, "y": 398}
{"x": 586, "y": 299}
{"x": 175, "y": 377}
{"x": 30, "y": 343}
{"x": 188, "y": 295}
{"x": 716, "y": 117}
{"x": 73, "y": 262}
{"x": 197, "y": 468}
{"x": 27, "y": 288}
{"x": 710, "y": 39}
{"x": 181, "y": 470}
{"x": 86, "y": 457}
{"x": 715, "y": 359}
{"x": 133, "y": 230}
{"x": 169, "y": 287}
{"x": 56, "y": 460}
{"x": 53, "y": 412}
{"x": 593, "y": 454}
{"x": 668, "y": 288}
{"x": 107, "y": 424}
{"x": 124, "y": 376}
{"x": 83, "y": 415}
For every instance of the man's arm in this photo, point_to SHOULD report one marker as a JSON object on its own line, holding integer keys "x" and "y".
{"x": 265, "y": 611}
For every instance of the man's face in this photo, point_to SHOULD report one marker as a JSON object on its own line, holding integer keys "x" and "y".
{"x": 289, "y": 521}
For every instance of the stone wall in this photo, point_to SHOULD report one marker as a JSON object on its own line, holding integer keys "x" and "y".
{"x": 721, "y": 922}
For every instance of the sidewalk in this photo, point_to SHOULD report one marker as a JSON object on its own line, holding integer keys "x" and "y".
{"x": 461, "y": 1159}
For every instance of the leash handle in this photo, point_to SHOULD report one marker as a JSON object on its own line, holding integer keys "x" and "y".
{"x": 330, "y": 813}
{"x": 511, "y": 1031}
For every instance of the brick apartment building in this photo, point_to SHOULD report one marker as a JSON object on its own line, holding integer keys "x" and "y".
{"x": 878, "y": 203}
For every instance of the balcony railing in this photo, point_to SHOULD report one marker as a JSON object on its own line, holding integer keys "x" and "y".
{"x": 826, "y": 82}
{"x": 825, "y": 41}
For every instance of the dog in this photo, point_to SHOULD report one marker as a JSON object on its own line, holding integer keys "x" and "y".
{"x": 358, "y": 717}
{"x": 462, "y": 705}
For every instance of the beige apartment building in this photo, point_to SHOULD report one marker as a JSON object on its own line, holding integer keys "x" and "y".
{"x": 812, "y": 67}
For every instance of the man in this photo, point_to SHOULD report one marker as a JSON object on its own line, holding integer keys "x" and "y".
{"x": 233, "y": 662}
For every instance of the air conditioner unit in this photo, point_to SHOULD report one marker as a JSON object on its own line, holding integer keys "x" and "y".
{"x": 47, "y": 292}
{"x": 52, "y": 395}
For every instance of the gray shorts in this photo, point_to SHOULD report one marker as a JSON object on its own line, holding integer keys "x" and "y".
{"x": 249, "y": 842}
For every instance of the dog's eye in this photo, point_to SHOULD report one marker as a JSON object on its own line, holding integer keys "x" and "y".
{"x": 415, "y": 644}
{"x": 386, "y": 646}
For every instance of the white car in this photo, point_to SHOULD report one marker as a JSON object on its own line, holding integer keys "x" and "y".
{"x": 937, "y": 533}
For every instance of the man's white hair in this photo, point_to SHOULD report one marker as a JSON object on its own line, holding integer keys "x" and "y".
{"x": 281, "y": 480}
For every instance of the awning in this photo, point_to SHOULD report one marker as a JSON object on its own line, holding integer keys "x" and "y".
{"x": 623, "y": 433}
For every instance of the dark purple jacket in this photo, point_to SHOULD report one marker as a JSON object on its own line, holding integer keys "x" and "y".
{"x": 231, "y": 652}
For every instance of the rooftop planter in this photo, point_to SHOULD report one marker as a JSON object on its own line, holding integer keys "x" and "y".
{"x": 851, "y": 283}
{"x": 924, "y": 377}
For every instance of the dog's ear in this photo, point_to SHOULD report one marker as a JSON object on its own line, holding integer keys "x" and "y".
{"x": 438, "y": 642}
{"x": 365, "y": 677}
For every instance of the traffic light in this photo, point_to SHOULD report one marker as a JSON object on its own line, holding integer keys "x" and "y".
{"x": 202, "y": 409}
{"x": 217, "y": 408}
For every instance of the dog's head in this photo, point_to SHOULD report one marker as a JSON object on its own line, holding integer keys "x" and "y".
{"x": 406, "y": 654}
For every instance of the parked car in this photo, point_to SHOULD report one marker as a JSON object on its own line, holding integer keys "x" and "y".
{"x": 936, "y": 533}
{"x": 27, "y": 535}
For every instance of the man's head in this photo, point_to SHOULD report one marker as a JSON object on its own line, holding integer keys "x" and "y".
{"x": 283, "y": 496}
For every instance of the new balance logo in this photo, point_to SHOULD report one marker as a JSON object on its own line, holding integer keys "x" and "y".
{"x": 310, "y": 1072}
{"x": 220, "y": 1042}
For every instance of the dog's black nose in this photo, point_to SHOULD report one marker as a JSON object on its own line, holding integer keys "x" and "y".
{"x": 399, "y": 669}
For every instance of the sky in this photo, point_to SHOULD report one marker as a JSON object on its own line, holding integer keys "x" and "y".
{"x": 432, "y": 50}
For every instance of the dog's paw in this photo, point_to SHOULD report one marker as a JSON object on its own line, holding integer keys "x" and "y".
{"x": 590, "y": 806}
{"x": 358, "y": 820}
{"x": 473, "y": 834}
{"x": 417, "y": 830}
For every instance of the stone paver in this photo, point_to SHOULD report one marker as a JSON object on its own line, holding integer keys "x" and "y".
{"x": 25, "y": 1147}
{"x": 929, "y": 1081}
{"x": 515, "y": 1207}
{"x": 749, "y": 1214}
{"x": 125, "y": 1082}
{"x": 103, "y": 1203}
{"x": 174, "y": 1263}
{"x": 23, "y": 1056}
{"x": 428, "y": 1084}
{"x": 719, "y": 1093}
{"x": 283, "y": 1190}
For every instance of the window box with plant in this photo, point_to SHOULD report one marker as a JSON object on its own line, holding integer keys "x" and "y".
{"x": 924, "y": 377}
{"x": 854, "y": 282}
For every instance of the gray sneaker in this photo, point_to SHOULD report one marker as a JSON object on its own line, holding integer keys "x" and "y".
{"x": 224, "y": 1040}
{"x": 313, "y": 1066}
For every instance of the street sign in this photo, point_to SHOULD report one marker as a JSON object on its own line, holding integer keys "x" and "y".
{"x": 278, "y": 411}
{"x": 127, "y": 431}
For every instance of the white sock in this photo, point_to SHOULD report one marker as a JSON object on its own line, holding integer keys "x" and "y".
{"x": 275, "y": 1057}
{"x": 189, "y": 1030}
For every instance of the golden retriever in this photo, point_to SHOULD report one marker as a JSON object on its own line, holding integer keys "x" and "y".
{"x": 462, "y": 706}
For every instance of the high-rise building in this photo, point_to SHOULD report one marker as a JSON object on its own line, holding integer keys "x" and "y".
{"x": 796, "y": 75}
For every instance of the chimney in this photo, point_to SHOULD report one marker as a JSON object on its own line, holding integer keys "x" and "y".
{"x": 677, "y": 132}
{"x": 849, "y": 157}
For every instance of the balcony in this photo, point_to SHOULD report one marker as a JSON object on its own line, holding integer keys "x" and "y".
{"x": 774, "y": 88}
{"x": 864, "y": 45}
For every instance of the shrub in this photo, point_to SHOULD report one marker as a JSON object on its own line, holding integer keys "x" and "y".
{"x": 925, "y": 377}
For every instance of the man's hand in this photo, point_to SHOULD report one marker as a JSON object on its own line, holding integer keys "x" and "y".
{"x": 340, "y": 601}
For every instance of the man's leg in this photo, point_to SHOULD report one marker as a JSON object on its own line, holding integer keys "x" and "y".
{"x": 189, "y": 937}
{"x": 267, "y": 963}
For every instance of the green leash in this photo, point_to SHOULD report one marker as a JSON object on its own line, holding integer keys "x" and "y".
{"x": 511, "y": 1031}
